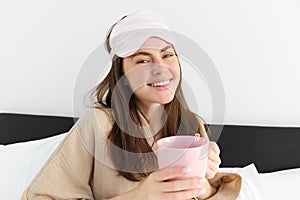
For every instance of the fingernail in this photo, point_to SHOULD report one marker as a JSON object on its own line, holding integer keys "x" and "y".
{"x": 186, "y": 170}
{"x": 201, "y": 180}
{"x": 202, "y": 191}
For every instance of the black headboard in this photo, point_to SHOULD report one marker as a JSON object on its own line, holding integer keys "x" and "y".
{"x": 270, "y": 148}
{"x": 25, "y": 127}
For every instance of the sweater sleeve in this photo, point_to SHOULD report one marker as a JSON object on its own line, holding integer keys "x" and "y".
{"x": 228, "y": 184}
{"x": 66, "y": 174}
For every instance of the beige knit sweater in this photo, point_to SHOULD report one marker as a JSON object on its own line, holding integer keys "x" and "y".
{"x": 80, "y": 169}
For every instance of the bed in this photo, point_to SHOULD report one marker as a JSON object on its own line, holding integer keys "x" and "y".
{"x": 267, "y": 158}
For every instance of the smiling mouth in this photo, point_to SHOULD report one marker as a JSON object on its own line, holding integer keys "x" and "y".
{"x": 160, "y": 84}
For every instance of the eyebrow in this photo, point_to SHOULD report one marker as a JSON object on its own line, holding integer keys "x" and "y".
{"x": 144, "y": 53}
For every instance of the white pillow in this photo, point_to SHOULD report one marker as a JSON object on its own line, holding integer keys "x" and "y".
{"x": 252, "y": 187}
{"x": 21, "y": 161}
{"x": 282, "y": 184}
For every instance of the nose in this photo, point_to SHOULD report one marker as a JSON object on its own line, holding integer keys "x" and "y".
{"x": 159, "y": 67}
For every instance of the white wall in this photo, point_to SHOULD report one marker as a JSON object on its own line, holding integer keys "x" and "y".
{"x": 253, "y": 44}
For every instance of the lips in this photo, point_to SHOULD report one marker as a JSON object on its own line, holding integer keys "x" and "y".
{"x": 160, "y": 83}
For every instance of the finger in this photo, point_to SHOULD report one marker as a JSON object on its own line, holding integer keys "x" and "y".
{"x": 213, "y": 164}
{"x": 169, "y": 173}
{"x": 213, "y": 146}
{"x": 214, "y": 157}
{"x": 183, "y": 184}
{"x": 183, "y": 194}
{"x": 210, "y": 173}
{"x": 212, "y": 168}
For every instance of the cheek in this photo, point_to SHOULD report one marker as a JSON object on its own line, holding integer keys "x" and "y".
{"x": 137, "y": 78}
{"x": 175, "y": 68}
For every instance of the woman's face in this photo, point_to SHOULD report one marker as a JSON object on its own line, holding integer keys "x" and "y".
{"x": 153, "y": 72}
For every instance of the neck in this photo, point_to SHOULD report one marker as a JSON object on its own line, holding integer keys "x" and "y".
{"x": 154, "y": 117}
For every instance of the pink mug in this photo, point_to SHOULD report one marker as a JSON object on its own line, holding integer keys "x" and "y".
{"x": 188, "y": 151}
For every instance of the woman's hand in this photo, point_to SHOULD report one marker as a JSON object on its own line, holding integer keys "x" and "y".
{"x": 158, "y": 186}
{"x": 214, "y": 160}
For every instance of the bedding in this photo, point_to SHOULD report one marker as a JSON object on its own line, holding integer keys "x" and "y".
{"x": 267, "y": 158}
{"x": 283, "y": 184}
{"x": 21, "y": 161}
{"x": 252, "y": 186}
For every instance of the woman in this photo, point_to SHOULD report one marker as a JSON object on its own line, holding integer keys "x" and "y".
{"x": 110, "y": 152}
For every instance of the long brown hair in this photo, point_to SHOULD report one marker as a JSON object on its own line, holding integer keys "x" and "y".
{"x": 112, "y": 94}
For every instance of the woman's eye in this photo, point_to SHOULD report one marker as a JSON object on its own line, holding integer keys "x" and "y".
{"x": 142, "y": 61}
{"x": 168, "y": 55}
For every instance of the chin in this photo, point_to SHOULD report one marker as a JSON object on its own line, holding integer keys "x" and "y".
{"x": 166, "y": 100}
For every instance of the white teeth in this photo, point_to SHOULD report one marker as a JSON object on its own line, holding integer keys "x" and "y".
{"x": 160, "y": 84}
